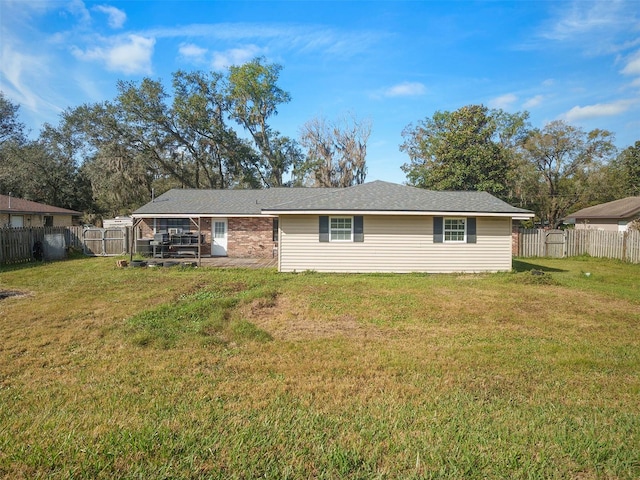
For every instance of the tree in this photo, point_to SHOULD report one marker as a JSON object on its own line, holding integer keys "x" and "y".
{"x": 10, "y": 126}
{"x": 43, "y": 170}
{"x": 336, "y": 151}
{"x": 182, "y": 137}
{"x": 628, "y": 165}
{"x": 12, "y": 139}
{"x": 468, "y": 149}
{"x": 564, "y": 156}
{"x": 201, "y": 107}
{"x": 254, "y": 98}
{"x": 148, "y": 138}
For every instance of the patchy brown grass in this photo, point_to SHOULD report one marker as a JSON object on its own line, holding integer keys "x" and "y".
{"x": 319, "y": 376}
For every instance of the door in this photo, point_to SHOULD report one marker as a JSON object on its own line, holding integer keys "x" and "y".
{"x": 219, "y": 238}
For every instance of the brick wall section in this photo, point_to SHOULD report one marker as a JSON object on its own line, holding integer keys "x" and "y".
{"x": 251, "y": 237}
{"x": 515, "y": 240}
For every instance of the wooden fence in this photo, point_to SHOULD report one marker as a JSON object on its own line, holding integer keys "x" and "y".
{"x": 570, "y": 243}
{"x": 17, "y": 244}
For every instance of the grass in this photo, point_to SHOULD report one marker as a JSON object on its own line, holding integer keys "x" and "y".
{"x": 215, "y": 373}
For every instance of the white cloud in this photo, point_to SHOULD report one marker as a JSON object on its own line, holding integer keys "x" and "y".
{"x": 235, "y": 56}
{"x": 192, "y": 52}
{"x": 503, "y": 101}
{"x": 277, "y": 37}
{"x": 79, "y": 10}
{"x": 598, "y": 110}
{"x": 581, "y": 17}
{"x": 129, "y": 55}
{"x": 116, "y": 16}
{"x": 406, "y": 89}
{"x": 17, "y": 69}
{"x": 633, "y": 65}
{"x": 595, "y": 27}
{"x": 533, "y": 101}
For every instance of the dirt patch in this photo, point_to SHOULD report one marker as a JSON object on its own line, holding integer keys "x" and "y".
{"x": 13, "y": 294}
{"x": 284, "y": 320}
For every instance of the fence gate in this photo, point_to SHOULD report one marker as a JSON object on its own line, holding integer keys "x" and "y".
{"x": 105, "y": 241}
{"x": 554, "y": 244}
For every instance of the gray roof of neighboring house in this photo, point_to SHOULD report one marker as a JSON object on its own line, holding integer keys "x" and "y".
{"x": 15, "y": 205}
{"x": 372, "y": 196}
{"x": 623, "y": 208}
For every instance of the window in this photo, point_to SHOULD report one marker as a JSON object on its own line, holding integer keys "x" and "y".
{"x": 219, "y": 229}
{"x": 455, "y": 229}
{"x": 341, "y": 229}
{"x": 16, "y": 221}
{"x": 275, "y": 230}
{"x": 48, "y": 221}
{"x": 164, "y": 224}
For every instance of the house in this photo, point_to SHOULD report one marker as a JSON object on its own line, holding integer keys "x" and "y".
{"x": 373, "y": 227}
{"x": 611, "y": 216}
{"x": 18, "y": 213}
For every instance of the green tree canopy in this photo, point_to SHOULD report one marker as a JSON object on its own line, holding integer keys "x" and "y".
{"x": 254, "y": 97}
{"x": 628, "y": 164}
{"x": 565, "y": 157}
{"x": 468, "y": 149}
{"x": 153, "y": 137}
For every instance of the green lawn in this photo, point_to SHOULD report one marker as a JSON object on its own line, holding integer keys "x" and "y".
{"x": 211, "y": 373}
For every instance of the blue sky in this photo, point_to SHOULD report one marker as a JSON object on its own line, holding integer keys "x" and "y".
{"x": 393, "y": 63}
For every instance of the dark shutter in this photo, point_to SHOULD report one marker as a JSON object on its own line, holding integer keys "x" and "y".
{"x": 324, "y": 228}
{"x": 437, "y": 229}
{"x": 358, "y": 228}
{"x": 471, "y": 230}
{"x": 275, "y": 230}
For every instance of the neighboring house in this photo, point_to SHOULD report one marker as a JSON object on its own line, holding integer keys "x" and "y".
{"x": 18, "y": 213}
{"x": 373, "y": 227}
{"x": 611, "y": 216}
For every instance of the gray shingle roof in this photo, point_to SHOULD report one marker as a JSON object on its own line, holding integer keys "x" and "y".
{"x": 391, "y": 197}
{"x": 373, "y": 196}
{"x": 222, "y": 202}
{"x": 623, "y": 208}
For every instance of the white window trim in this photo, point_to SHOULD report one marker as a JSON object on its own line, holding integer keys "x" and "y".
{"x": 331, "y": 239}
{"x": 444, "y": 230}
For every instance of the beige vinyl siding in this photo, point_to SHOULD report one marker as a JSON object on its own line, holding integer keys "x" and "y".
{"x": 37, "y": 220}
{"x": 607, "y": 224}
{"x": 394, "y": 244}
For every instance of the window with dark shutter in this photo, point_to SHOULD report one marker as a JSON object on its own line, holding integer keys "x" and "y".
{"x": 323, "y": 228}
{"x": 437, "y": 229}
{"x": 471, "y": 230}
{"x": 358, "y": 228}
{"x": 275, "y": 230}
